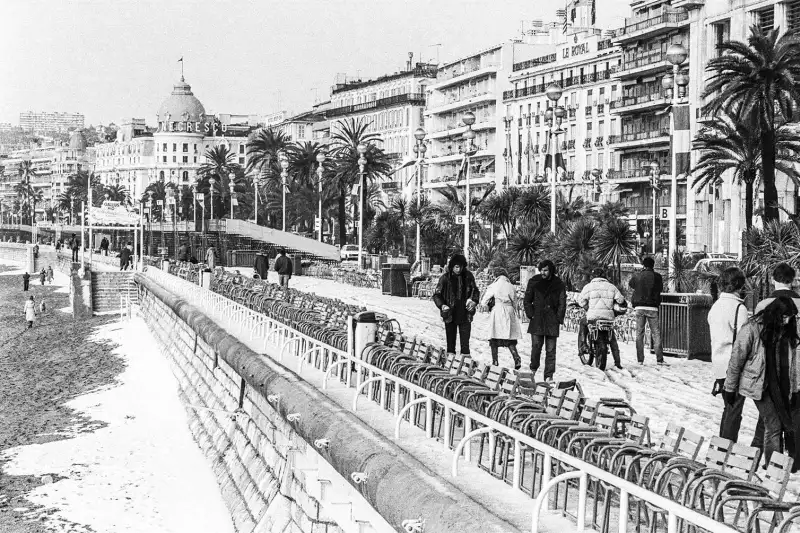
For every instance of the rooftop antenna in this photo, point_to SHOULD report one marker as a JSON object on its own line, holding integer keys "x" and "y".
{"x": 316, "y": 95}
{"x": 181, "y": 62}
{"x": 438, "y": 46}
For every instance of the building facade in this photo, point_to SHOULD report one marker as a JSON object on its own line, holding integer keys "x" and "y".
{"x": 44, "y": 122}
{"x": 393, "y": 107}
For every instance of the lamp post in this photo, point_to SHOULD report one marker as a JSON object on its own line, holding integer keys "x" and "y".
{"x": 655, "y": 171}
{"x": 362, "y": 164}
{"x": 419, "y": 150}
{"x": 676, "y": 55}
{"x": 468, "y": 119}
{"x": 211, "y": 183}
{"x": 233, "y": 193}
{"x": 553, "y": 93}
{"x": 320, "y": 160}
{"x": 150, "y": 222}
{"x": 284, "y": 175}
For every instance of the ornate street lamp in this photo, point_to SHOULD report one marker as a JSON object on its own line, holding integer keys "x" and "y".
{"x": 676, "y": 55}
{"x": 284, "y": 175}
{"x": 231, "y": 176}
{"x": 419, "y": 150}
{"x": 558, "y": 113}
{"x": 362, "y": 164}
{"x": 211, "y": 183}
{"x": 468, "y": 119}
{"x": 655, "y": 172}
{"x": 320, "y": 161}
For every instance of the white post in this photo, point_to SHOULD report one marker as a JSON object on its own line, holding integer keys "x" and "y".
{"x": 83, "y": 242}
{"x": 283, "y": 187}
{"x": 361, "y": 217}
{"x": 320, "y": 201}
{"x": 467, "y": 202}
{"x": 553, "y": 147}
{"x": 255, "y": 203}
{"x": 655, "y": 220}
{"x": 90, "y": 221}
{"x": 419, "y": 193}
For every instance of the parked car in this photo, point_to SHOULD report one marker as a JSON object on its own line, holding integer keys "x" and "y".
{"x": 715, "y": 264}
{"x": 349, "y": 252}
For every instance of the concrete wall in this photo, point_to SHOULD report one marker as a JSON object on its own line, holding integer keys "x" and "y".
{"x": 256, "y": 422}
{"x": 109, "y": 290}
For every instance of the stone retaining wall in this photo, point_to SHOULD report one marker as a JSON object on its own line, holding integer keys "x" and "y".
{"x": 240, "y": 405}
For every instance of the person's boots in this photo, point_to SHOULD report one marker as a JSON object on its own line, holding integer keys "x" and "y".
{"x": 494, "y": 355}
{"x": 515, "y": 355}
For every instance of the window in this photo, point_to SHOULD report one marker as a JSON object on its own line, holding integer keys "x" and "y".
{"x": 161, "y": 174}
{"x": 600, "y": 129}
{"x": 195, "y": 148}
{"x": 793, "y": 15}
{"x": 174, "y": 147}
{"x": 164, "y": 147}
{"x": 174, "y": 159}
{"x": 765, "y": 18}
{"x": 185, "y": 176}
{"x": 185, "y": 147}
{"x": 589, "y": 100}
{"x": 164, "y": 158}
{"x": 195, "y": 159}
{"x": 301, "y": 131}
{"x": 186, "y": 159}
{"x": 722, "y": 33}
{"x": 241, "y": 148}
{"x": 241, "y": 160}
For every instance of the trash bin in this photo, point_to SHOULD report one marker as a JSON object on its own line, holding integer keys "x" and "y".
{"x": 297, "y": 265}
{"x": 394, "y": 279}
{"x": 205, "y": 278}
{"x": 684, "y": 325}
{"x": 365, "y": 329}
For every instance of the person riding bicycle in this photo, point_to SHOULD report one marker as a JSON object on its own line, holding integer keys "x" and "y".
{"x": 600, "y": 297}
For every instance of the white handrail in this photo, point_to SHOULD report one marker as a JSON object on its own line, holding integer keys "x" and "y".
{"x": 226, "y": 309}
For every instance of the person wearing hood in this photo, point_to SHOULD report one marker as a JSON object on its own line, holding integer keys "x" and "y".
{"x": 545, "y": 306}
{"x": 765, "y": 367}
{"x": 457, "y": 297}
{"x": 261, "y": 266}
{"x": 504, "y": 327}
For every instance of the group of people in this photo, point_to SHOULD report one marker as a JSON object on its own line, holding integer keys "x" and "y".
{"x": 45, "y": 275}
{"x": 757, "y": 357}
{"x": 545, "y": 302}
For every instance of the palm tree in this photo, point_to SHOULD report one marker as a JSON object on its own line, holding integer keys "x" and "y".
{"x": 220, "y": 164}
{"x": 25, "y": 191}
{"x": 526, "y": 243}
{"x": 735, "y": 145}
{"x": 572, "y": 250}
{"x": 533, "y": 205}
{"x": 757, "y": 82}
{"x": 612, "y": 211}
{"x": 345, "y": 170}
{"x": 569, "y": 209}
{"x": 500, "y": 209}
{"x": 117, "y": 193}
{"x": 613, "y": 241}
{"x": 399, "y": 207}
{"x": 263, "y": 165}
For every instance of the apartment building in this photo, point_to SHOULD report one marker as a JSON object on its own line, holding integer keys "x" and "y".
{"x": 583, "y": 64}
{"x": 392, "y": 105}
{"x": 44, "y": 122}
{"x": 642, "y": 110}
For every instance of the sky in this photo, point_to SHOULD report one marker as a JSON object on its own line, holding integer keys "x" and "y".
{"x": 113, "y": 59}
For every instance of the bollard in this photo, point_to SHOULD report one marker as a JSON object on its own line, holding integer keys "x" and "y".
{"x": 206, "y": 279}
{"x": 165, "y": 265}
{"x": 365, "y": 329}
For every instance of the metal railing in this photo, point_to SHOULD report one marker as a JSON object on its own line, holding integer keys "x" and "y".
{"x": 668, "y": 17}
{"x": 535, "y": 62}
{"x": 644, "y": 135}
{"x": 408, "y": 98}
{"x": 270, "y": 336}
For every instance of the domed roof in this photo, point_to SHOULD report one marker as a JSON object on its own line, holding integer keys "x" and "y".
{"x": 77, "y": 141}
{"x": 181, "y": 105}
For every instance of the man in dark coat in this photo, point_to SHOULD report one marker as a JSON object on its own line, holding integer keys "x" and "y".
{"x": 545, "y": 306}
{"x": 75, "y": 246}
{"x": 183, "y": 252}
{"x": 647, "y": 286}
{"x": 26, "y": 279}
{"x": 104, "y": 246}
{"x": 261, "y": 266}
{"x": 457, "y": 298}
{"x": 284, "y": 268}
{"x": 124, "y": 258}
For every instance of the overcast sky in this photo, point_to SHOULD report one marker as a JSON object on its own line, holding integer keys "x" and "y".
{"x": 118, "y": 58}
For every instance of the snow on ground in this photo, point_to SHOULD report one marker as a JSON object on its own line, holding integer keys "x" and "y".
{"x": 142, "y": 472}
{"x": 680, "y": 392}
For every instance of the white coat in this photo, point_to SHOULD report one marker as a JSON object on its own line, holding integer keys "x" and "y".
{"x": 503, "y": 322}
{"x": 30, "y": 311}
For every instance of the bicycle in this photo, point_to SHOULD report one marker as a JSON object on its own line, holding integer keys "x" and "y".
{"x": 598, "y": 341}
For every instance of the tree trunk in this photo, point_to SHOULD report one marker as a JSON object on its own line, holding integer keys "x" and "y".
{"x": 748, "y": 204}
{"x": 771, "y": 211}
{"x": 342, "y": 218}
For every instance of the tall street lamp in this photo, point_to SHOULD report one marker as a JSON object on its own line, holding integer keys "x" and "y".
{"x": 655, "y": 171}
{"x": 284, "y": 175}
{"x": 556, "y": 112}
{"x": 419, "y": 150}
{"x": 676, "y": 55}
{"x": 469, "y": 135}
{"x": 320, "y": 161}
{"x": 362, "y": 165}
{"x": 233, "y": 193}
{"x": 150, "y": 222}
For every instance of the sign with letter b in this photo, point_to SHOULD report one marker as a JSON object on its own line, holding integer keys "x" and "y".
{"x": 665, "y": 213}
{"x": 461, "y": 219}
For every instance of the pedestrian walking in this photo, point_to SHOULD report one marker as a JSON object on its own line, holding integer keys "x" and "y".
{"x": 783, "y": 277}
{"x": 601, "y": 299}
{"x": 261, "y": 266}
{"x": 284, "y": 268}
{"x": 104, "y": 246}
{"x": 35, "y": 251}
{"x": 726, "y": 318}
{"x": 43, "y": 276}
{"x": 183, "y": 252}
{"x": 765, "y": 366}
{"x": 504, "y": 327}
{"x": 26, "y": 279}
{"x": 30, "y": 311}
{"x": 647, "y": 286}
{"x": 58, "y": 246}
{"x": 50, "y": 274}
{"x": 545, "y": 305}
{"x": 42, "y": 307}
{"x": 211, "y": 258}
{"x": 457, "y": 298}
{"x": 74, "y": 246}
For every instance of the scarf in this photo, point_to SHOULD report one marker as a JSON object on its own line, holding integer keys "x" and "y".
{"x": 777, "y": 379}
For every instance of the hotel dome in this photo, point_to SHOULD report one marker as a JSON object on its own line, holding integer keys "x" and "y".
{"x": 182, "y": 105}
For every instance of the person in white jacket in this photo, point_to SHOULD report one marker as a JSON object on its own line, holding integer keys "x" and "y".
{"x": 30, "y": 311}
{"x": 599, "y": 297}
{"x": 725, "y": 319}
{"x": 504, "y": 326}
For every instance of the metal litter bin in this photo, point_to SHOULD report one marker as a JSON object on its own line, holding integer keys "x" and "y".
{"x": 684, "y": 325}
{"x": 394, "y": 279}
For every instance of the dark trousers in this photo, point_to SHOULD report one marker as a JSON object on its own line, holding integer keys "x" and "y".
{"x": 774, "y": 434}
{"x": 732, "y": 421}
{"x": 549, "y": 343}
{"x": 645, "y": 316}
{"x": 463, "y": 331}
{"x": 25, "y": 283}
{"x": 75, "y": 255}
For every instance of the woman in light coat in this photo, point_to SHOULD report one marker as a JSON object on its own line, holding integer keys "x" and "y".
{"x": 30, "y": 311}
{"x": 504, "y": 327}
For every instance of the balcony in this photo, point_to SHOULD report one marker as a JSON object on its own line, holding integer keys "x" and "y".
{"x": 390, "y": 101}
{"x": 524, "y": 91}
{"x": 630, "y": 104}
{"x": 571, "y": 112}
{"x": 588, "y": 111}
{"x": 442, "y": 105}
{"x": 611, "y": 139}
{"x": 662, "y": 23}
{"x": 390, "y": 186}
{"x": 587, "y": 143}
{"x": 571, "y": 144}
{"x": 603, "y": 45}
{"x": 601, "y": 108}
{"x": 538, "y": 61}
{"x": 642, "y": 64}
{"x": 453, "y": 128}
{"x": 635, "y": 174}
{"x": 642, "y": 138}
{"x": 598, "y": 141}
{"x": 454, "y": 74}
{"x": 475, "y": 178}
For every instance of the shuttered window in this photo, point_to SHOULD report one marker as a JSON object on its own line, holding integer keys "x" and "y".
{"x": 793, "y": 15}
{"x": 765, "y": 18}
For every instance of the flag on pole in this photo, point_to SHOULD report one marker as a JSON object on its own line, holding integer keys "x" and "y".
{"x": 404, "y": 165}
{"x": 553, "y": 150}
{"x": 594, "y": 11}
{"x": 462, "y": 170}
{"x": 562, "y": 13}
{"x": 180, "y": 60}
{"x": 413, "y": 174}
